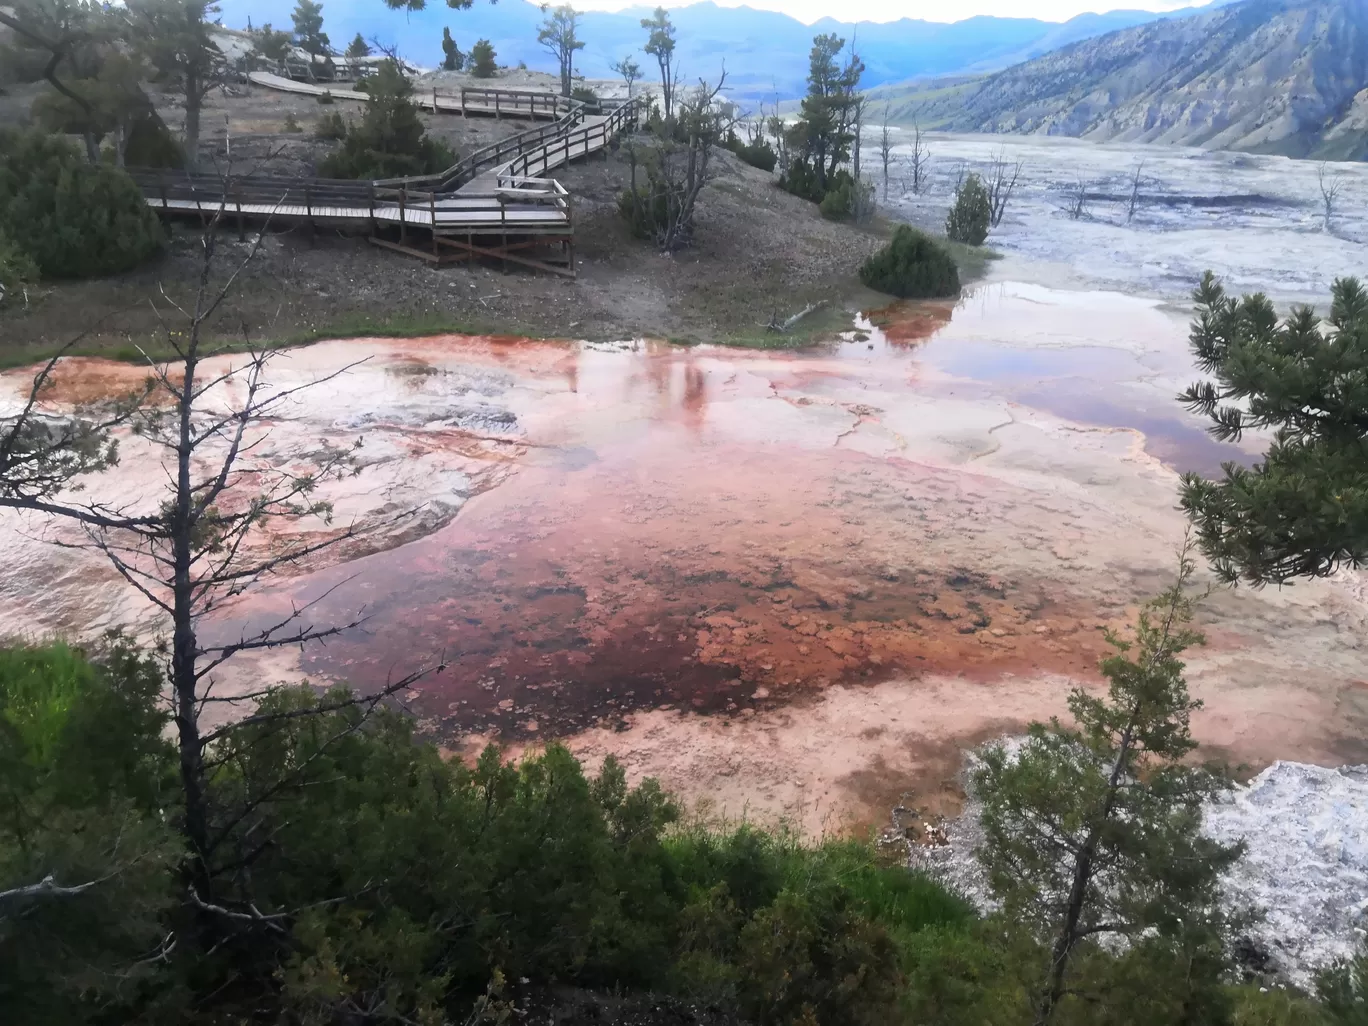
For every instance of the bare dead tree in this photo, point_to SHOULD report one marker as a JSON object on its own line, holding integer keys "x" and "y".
{"x": 1001, "y": 181}
{"x": 885, "y": 150}
{"x": 677, "y": 163}
{"x": 862, "y": 202}
{"x": 919, "y": 160}
{"x": 1078, "y": 201}
{"x": 1330, "y": 186}
{"x": 203, "y": 542}
{"x": 1133, "y": 202}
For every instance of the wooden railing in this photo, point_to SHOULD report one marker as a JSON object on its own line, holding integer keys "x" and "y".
{"x": 515, "y": 206}
{"x": 531, "y": 163}
{"x": 490, "y": 156}
{"x": 517, "y": 101}
{"x": 517, "y": 200}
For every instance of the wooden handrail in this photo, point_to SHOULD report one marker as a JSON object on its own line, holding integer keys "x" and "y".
{"x": 516, "y": 186}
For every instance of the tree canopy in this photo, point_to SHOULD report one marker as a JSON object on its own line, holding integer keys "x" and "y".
{"x": 71, "y": 218}
{"x": 1094, "y": 829}
{"x": 822, "y": 138}
{"x": 660, "y": 44}
{"x": 308, "y": 28}
{"x": 390, "y": 140}
{"x": 558, "y": 36}
{"x": 1303, "y": 510}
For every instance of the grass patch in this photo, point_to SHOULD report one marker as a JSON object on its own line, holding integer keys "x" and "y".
{"x": 821, "y": 325}
{"x": 973, "y": 261}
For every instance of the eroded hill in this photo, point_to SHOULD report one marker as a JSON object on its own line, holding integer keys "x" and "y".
{"x": 1284, "y": 76}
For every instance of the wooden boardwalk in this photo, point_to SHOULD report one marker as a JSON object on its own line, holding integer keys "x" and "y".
{"x": 498, "y": 103}
{"x": 495, "y": 202}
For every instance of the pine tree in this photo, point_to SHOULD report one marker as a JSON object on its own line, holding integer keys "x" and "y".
{"x": 270, "y": 43}
{"x": 558, "y": 37}
{"x": 177, "y": 39}
{"x": 971, "y": 214}
{"x": 390, "y": 141}
{"x": 358, "y": 47}
{"x": 1303, "y": 511}
{"x": 660, "y": 44}
{"x": 308, "y": 28}
{"x": 824, "y": 134}
{"x": 630, "y": 71}
{"x": 453, "y": 59}
{"x": 482, "y": 59}
{"x": 1095, "y": 829}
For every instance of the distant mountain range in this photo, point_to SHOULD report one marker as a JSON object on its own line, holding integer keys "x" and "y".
{"x": 1278, "y": 76}
{"x": 766, "y": 53}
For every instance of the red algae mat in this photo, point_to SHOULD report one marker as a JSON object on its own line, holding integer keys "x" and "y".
{"x": 792, "y": 584}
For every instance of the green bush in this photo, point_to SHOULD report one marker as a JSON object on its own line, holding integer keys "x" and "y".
{"x": 758, "y": 153}
{"x": 325, "y": 98}
{"x": 151, "y": 144}
{"x": 971, "y": 214}
{"x": 912, "y": 266}
{"x": 332, "y": 126}
{"x": 88, "y": 780}
{"x": 73, "y": 219}
{"x": 390, "y": 140}
{"x": 840, "y": 201}
{"x": 647, "y": 209}
{"x": 585, "y": 95}
{"x": 16, "y": 267}
{"x": 801, "y": 180}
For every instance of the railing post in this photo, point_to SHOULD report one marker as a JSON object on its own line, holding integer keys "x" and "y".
{"x": 403, "y": 201}
{"x": 373, "y": 227}
{"x": 432, "y": 207}
{"x": 308, "y": 211}
{"x": 463, "y": 107}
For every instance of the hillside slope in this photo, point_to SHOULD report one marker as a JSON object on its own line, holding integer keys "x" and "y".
{"x": 1281, "y": 76}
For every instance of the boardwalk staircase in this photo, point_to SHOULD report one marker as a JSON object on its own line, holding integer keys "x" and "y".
{"x": 494, "y": 203}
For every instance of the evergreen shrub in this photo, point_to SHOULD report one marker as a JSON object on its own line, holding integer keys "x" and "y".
{"x": 16, "y": 267}
{"x": 390, "y": 141}
{"x": 971, "y": 214}
{"x": 331, "y": 126}
{"x": 72, "y": 218}
{"x": 758, "y": 153}
{"x": 912, "y": 266}
{"x": 481, "y": 59}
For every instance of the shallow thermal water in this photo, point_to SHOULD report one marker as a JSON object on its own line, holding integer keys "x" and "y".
{"x": 852, "y": 559}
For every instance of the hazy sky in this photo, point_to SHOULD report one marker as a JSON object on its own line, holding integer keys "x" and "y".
{"x": 929, "y": 10}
